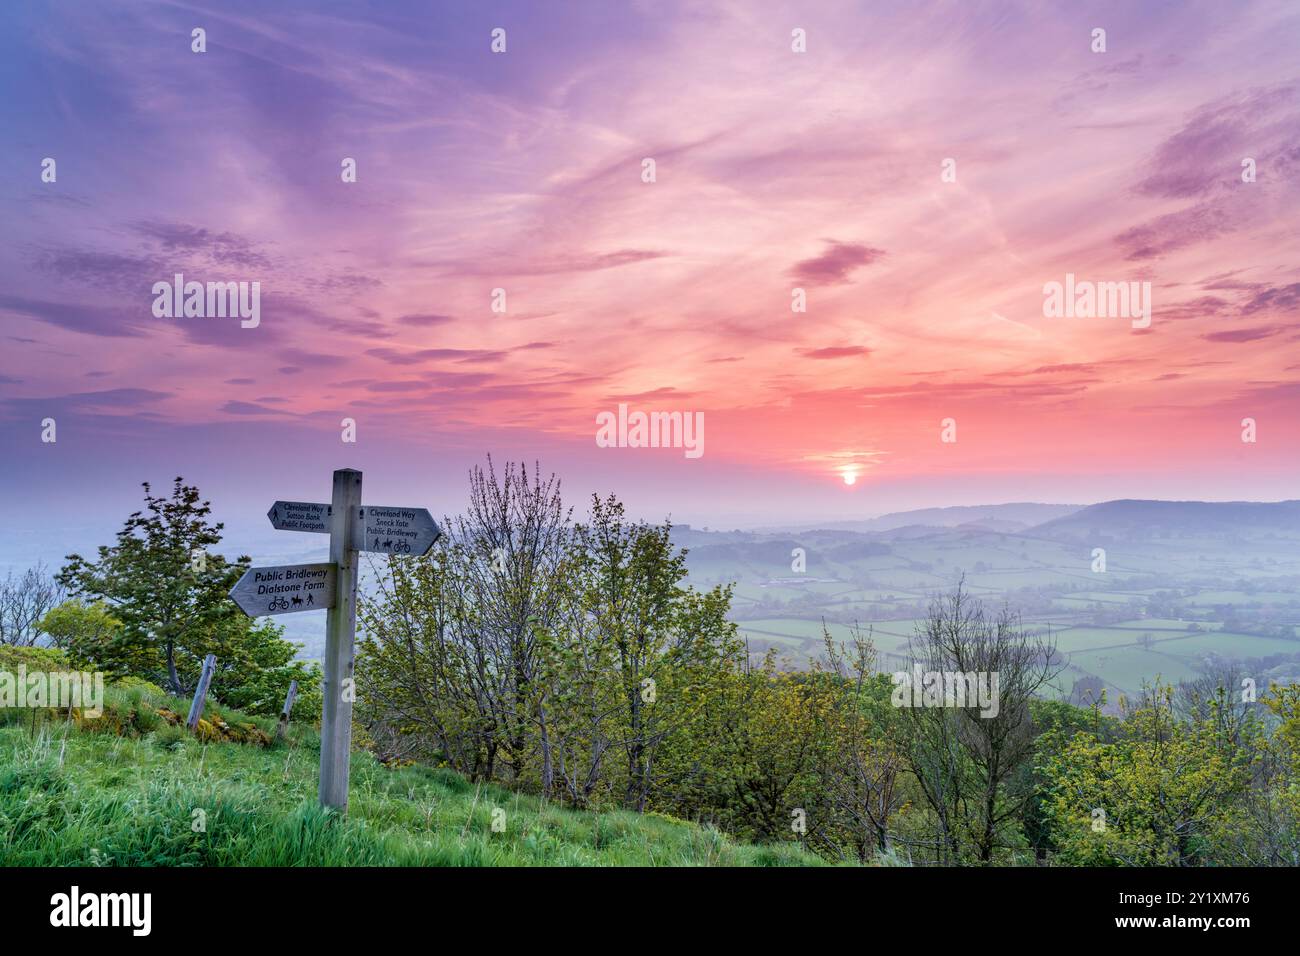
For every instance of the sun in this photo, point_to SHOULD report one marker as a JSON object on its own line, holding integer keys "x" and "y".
{"x": 850, "y": 476}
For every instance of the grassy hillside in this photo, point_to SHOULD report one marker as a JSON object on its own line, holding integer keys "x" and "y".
{"x": 80, "y": 796}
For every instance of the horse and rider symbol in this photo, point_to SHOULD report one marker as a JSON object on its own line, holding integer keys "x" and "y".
{"x": 297, "y": 602}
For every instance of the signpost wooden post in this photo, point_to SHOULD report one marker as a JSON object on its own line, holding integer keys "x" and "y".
{"x": 340, "y": 635}
{"x": 333, "y": 585}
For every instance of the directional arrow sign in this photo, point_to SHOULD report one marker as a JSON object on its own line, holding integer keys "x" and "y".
{"x": 395, "y": 530}
{"x": 285, "y": 588}
{"x": 300, "y": 516}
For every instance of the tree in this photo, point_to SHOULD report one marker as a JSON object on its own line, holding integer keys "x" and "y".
{"x": 962, "y": 756}
{"x": 667, "y": 643}
{"x": 162, "y": 580}
{"x": 255, "y": 666}
{"x": 24, "y": 601}
{"x": 423, "y": 674}
{"x": 1056, "y": 723}
{"x": 560, "y": 658}
{"x": 1157, "y": 795}
{"x": 578, "y": 667}
{"x": 1216, "y": 694}
{"x": 92, "y": 638}
{"x": 513, "y": 539}
{"x": 760, "y": 750}
{"x": 159, "y": 604}
{"x": 859, "y": 777}
{"x": 1266, "y": 831}
{"x": 451, "y": 641}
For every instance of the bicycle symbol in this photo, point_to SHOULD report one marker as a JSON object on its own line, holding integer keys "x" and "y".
{"x": 402, "y": 547}
{"x": 278, "y": 604}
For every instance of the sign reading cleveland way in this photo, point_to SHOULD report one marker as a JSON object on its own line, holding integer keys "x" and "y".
{"x": 396, "y": 530}
{"x": 300, "y": 516}
{"x": 285, "y": 588}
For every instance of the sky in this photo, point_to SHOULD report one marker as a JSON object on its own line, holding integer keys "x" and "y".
{"x": 919, "y": 170}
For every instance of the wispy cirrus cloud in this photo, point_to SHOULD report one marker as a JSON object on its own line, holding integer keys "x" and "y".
{"x": 835, "y": 352}
{"x": 98, "y": 320}
{"x": 1245, "y": 335}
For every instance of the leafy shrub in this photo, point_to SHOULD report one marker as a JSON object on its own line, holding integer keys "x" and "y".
{"x": 32, "y": 659}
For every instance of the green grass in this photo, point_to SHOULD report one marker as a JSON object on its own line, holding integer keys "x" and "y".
{"x": 1175, "y": 654}
{"x": 72, "y": 797}
{"x": 1242, "y": 598}
{"x": 1129, "y": 667}
{"x": 1155, "y": 624}
{"x": 1230, "y": 645}
{"x": 795, "y": 627}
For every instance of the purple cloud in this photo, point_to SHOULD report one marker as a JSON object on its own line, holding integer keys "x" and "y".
{"x": 835, "y": 352}
{"x": 834, "y": 265}
{"x": 1244, "y": 335}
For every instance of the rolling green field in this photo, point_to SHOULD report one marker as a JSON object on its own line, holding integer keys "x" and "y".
{"x": 1164, "y": 607}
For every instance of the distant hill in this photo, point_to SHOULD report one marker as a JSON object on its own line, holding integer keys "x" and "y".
{"x": 1006, "y": 518}
{"x": 1187, "y": 585}
{"x": 1138, "y": 518}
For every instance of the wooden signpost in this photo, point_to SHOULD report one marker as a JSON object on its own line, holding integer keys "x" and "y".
{"x": 333, "y": 585}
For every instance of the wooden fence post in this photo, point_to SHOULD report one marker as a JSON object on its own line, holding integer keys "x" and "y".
{"x": 284, "y": 714}
{"x": 201, "y": 691}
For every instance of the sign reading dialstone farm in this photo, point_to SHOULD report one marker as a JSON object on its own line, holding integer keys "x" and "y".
{"x": 305, "y": 587}
{"x": 285, "y": 588}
